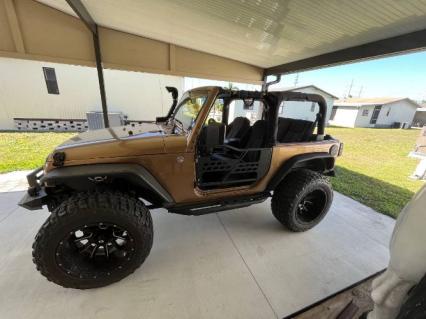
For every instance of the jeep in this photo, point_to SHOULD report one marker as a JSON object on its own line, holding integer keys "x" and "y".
{"x": 202, "y": 157}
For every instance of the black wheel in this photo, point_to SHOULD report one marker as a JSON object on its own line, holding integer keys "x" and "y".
{"x": 93, "y": 239}
{"x": 302, "y": 200}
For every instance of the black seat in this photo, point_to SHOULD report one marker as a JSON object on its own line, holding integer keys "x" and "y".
{"x": 256, "y": 135}
{"x": 211, "y": 136}
{"x": 256, "y": 139}
{"x": 237, "y": 130}
{"x": 294, "y": 130}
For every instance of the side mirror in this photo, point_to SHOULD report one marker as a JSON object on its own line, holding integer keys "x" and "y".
{"x": 248, "y": 103}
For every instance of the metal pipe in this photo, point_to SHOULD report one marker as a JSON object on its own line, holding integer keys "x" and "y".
{"x": 101, "y": 77}
{"x": 87, "y": 19}
{"x": 266, "y": 85}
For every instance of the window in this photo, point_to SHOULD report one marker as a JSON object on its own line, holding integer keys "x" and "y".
{"x": 364, "y": 112}
{"x": 375, "y": 115}
{"x": 51, "y": 82}
{"x": 313, "y": 107}
{"x": 388, "y": 112}
{"x": 187, "y": 111}
{"x": 281, "y": 109}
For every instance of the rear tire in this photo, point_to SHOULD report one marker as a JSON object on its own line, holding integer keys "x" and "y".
{"x": 302, "y": 200}
{"x": 93, "y": 239}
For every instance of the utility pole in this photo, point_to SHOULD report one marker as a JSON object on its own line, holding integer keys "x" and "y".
{"x": 360, "y": 91}
{"x": 350, "y": 88}
{"x": 296, "y": 79}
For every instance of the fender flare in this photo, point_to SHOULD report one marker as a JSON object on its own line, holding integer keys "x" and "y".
{"x": 308, "y": 160}
{"x": 83, "y": 175}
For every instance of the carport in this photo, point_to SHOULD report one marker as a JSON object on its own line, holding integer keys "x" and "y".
{"x": 231, "y": 264}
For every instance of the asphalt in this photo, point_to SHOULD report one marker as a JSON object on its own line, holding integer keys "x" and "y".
{"x": 235, "y": 264}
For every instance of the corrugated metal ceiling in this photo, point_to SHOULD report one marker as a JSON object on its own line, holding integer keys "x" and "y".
{"x": 264, "y": 33}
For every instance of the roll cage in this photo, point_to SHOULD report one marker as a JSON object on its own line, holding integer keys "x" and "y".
{"x": 271, "y": 100}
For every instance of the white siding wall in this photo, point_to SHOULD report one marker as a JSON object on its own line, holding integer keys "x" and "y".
{"x": 364, "y": 121}
{"x": 23, "y": 93}
{"x": 400, "y": 111}
{"x": 345, "y": 116}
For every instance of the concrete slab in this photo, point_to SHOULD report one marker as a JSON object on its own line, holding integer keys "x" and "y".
{"x": 236, "y": 264}
{"x": 14, "y": 181}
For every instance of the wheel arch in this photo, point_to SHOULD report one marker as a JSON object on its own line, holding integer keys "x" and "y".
{"x": 319, "y": 162}
{"x": 131, "y": 176}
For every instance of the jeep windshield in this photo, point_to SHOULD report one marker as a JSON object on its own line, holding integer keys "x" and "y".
{"x": 187, "y": 111}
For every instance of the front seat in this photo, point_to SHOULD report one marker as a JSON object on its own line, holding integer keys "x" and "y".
{"x": 237, "y": 130}
{"x": 256, "y": 139}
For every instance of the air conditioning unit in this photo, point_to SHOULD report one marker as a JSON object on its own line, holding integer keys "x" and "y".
{"x": 95, "y": 120}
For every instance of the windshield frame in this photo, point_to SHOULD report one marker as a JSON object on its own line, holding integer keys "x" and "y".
{"x": 185, "y": 97}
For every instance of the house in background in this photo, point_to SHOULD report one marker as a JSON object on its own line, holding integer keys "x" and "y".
{"x": 374, "y": 112}
{"x": 289, "y": 109}
{"x": 41, "y": 96}
{"x": 420, "y": 116}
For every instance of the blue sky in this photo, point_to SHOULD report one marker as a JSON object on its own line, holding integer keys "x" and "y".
{"x": 398, "y": 76}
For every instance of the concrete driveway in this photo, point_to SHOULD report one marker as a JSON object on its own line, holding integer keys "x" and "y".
{"x": 235, "y": 264}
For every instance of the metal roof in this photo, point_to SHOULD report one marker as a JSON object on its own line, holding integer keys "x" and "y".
{"x": 358, "y": 102}
{"x": 265, "y": 33}
{"x": 301, "y": 87}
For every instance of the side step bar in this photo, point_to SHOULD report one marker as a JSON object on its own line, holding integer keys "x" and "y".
{"x": 197, "y": 209}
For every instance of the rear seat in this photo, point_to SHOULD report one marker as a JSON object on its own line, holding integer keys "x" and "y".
{"x": 294, "y": 130}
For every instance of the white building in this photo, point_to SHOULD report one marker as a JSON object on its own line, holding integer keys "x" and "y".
{"x": 290, "y": 109}
{"x": 60, "y": 94}
{"x": 420, "y": 116}
{"x": 373, "y": 112}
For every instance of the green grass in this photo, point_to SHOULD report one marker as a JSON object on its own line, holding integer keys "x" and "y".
{"x": 21, "y": 151}
{"x": 374, "y": 168}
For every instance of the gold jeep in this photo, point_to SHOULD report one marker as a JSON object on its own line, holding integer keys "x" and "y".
{"x": 217, "y": 149}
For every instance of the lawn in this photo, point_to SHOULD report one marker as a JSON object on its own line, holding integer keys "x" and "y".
{"x": 374, "y": 168}
{"x": 20, "y": 151}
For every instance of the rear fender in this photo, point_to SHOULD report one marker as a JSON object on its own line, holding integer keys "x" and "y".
{"x": 320, "y": 162}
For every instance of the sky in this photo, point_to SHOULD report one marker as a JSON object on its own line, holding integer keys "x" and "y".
{"x": 397, "y": 76}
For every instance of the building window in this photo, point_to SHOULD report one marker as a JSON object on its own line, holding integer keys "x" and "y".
{"x": 388, "y": 112}
{"x": 313, "y": 107}
{"x": 364, "y": 112}
{"x": 376, "y": 113}
{"x": 51, "y": 82}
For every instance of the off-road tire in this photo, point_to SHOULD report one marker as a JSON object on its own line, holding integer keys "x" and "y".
{"x": 292, "y": 190}
{"x": 82, "y": 208}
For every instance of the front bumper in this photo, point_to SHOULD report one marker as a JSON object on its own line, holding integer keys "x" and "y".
{"x": 36, "y": 195}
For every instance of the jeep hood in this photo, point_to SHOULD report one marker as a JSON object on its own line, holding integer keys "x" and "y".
{"x": 145, "y": 130}
{"x": 123, "y": 141}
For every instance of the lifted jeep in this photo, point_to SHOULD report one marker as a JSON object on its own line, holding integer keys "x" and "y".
{"x": 200, "y": 158}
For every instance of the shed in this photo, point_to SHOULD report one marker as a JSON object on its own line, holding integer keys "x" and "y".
{"x": 374, "y": 112}
{"x": 420, "y": 116}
